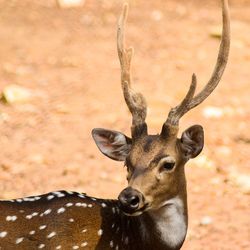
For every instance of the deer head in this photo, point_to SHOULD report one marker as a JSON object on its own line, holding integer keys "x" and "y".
{"x": 155, "y": 163}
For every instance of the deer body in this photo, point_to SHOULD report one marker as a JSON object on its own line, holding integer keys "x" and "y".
{"x": 70, "y": 220}
{"x": 151, "y": 212}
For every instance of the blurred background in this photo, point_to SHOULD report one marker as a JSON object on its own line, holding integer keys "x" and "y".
{"x": 60, "y": 77}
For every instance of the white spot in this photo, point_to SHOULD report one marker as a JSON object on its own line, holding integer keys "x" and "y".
{"x": 56, "y": 192}
{"x": 11, "y": 218}
{"x": 93, "y": 199}
{"x": 59, "y": 194}
{"x": 28, "y": 199}
{"x": 3, "y": 234}
{"x": 126, "y": 241}
{"x": 46, "y": 212}
{"x": 41, "y": 246}
{"x": 113, "y": 225}
{"x": 104, "y": 205}
{"x": 111, "y": 243}
{"x": 61, "y": 210}
{"x": 21, "y": 211}
{"x": 90, "y": 205}
{"x": 19, "y": 200}
{"x": 19, "y": 240}
{"x": 37, "y": 198}
{"x": 81, "y": 195}
{"x": 50, "y": 197}
{"x": 42, "y": 227}
{"x": 100, "y": 232}
{"x": 75, "y": 247}
{"x": 79, "y": 204}
{"x": 34, "y": 214}
{"x": 84, "y": 244}
{"x": 59, "y": 247}
{"x": 69, "y": 204}
{"x": 52, "y": 234}
{"x": 29, "y": 216}
{"x": 32, "y": 232}
{"x": 71, "y": 220}
{"x": 70, "y": 192}
{"x": 84, "y": 230}
{"x": 117, "y": 247}
{"x": 113, "y": 210}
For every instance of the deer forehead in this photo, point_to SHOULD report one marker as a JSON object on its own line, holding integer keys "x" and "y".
{"x": 150, "y": 148}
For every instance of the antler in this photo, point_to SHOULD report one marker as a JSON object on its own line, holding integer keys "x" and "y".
{"x": 189, "y": 101}
{"x": 135, "y": 101}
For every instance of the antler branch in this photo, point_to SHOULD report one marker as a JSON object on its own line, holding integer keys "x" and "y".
{"x": 221, "y": 59}
{"x": 189, "y": 101}
{"x": 177, "y": 112}
{"x": 135, "y": 101}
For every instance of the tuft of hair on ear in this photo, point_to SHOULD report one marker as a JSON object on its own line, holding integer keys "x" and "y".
{"x": 192, "y": 141}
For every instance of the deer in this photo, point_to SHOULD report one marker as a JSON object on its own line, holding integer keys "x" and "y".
{"x": 151, "y": 212}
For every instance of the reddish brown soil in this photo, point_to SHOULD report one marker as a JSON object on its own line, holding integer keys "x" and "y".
{"x": 68, "y": 59}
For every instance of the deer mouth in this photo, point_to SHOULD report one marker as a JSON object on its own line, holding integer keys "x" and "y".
{"x": 137, "y": 212}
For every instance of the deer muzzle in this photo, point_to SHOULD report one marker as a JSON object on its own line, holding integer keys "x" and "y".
{"x": 131, "y": 201}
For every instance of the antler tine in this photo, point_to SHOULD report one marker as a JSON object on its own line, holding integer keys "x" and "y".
{"x": 170, "y": 127}
{"x": 221, "y": 60}
{"x": 135, "y": 101}
{"x": 189, "y": 101}
{"x": 177, "y": 112}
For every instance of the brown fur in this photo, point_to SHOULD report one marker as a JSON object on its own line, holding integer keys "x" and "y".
{"x": 143, "y": 169}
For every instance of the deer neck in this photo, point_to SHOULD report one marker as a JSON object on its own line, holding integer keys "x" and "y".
{"x": 167, "y": 226}
{"x": 164, "y": 228}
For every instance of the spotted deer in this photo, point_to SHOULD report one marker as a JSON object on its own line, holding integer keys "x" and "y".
{"x": 151, "y": 212}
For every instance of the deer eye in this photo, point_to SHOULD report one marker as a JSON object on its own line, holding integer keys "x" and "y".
{"x": 167, "y": 163}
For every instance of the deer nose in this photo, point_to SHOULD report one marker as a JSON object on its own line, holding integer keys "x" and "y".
{"x": 130, "y": 200}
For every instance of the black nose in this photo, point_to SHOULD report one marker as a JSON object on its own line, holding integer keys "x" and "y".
{"x": 130, "y": 200}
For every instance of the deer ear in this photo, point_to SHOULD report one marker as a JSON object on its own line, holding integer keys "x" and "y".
{"x": 111, "y": 143}
{"x": 192, "y": 141}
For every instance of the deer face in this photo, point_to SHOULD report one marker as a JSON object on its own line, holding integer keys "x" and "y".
{"x": 155, "y": 165}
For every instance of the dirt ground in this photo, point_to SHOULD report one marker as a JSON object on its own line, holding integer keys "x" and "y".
{"x": 67, "y": 58}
